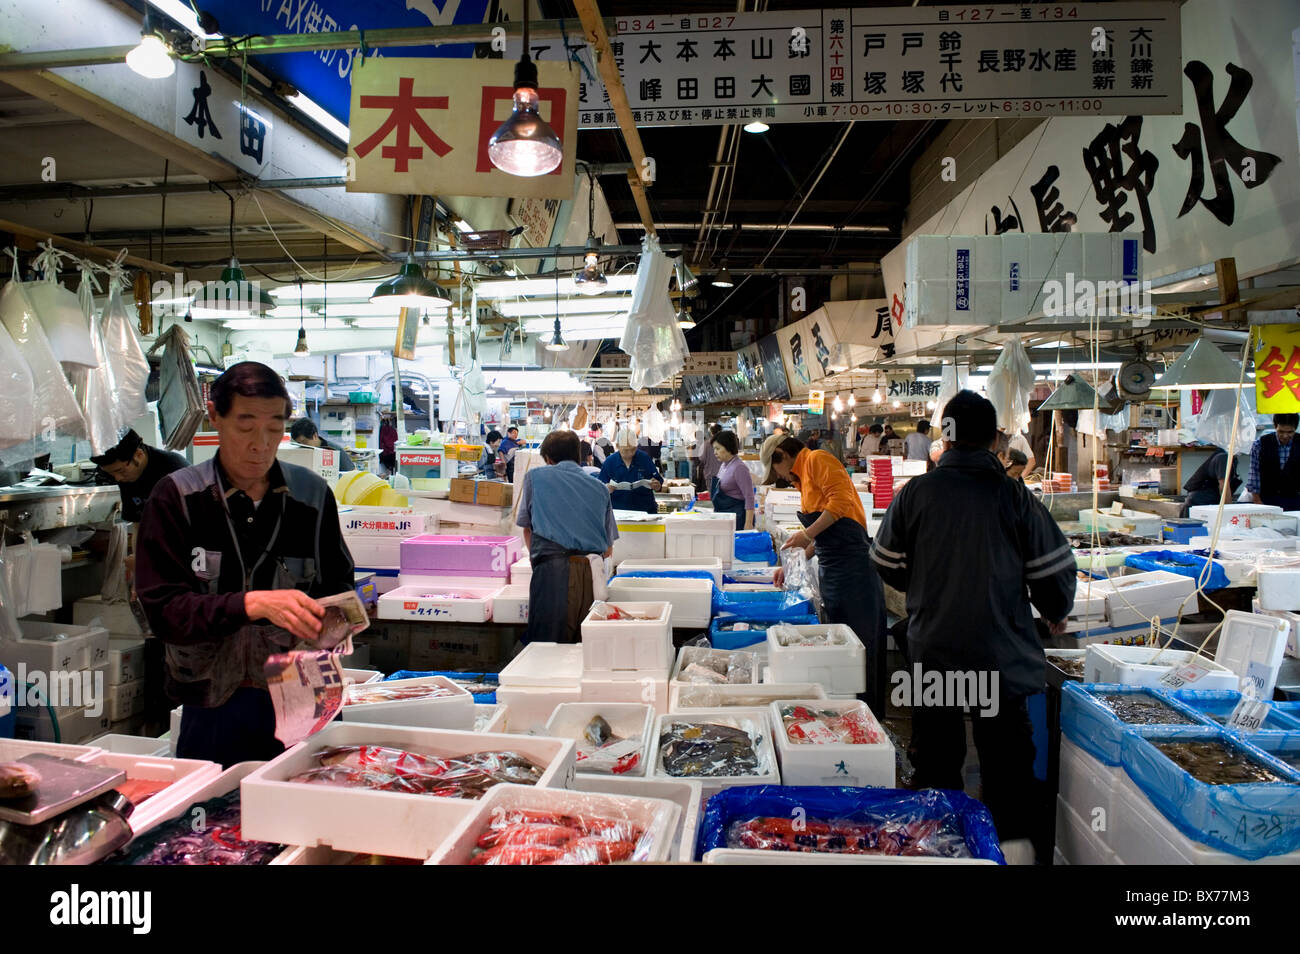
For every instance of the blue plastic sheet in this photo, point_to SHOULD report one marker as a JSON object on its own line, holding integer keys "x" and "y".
{"x": 488, "y": 679}
{"x": 1184, "y": 564}
{"x": 1220, "y": 703}
{"x": 740, "y": 639}
{"x": 1251, "y": 821}
{"x": 1094, "y": 727}
{"x": 755, "y": 546}
{"x": 675, "y": 574}
{"x": 853, "y": 804}
{"x": 776, "y": 605}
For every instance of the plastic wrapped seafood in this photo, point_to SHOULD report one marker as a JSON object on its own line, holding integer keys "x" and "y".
{"x": 137, "y": 790}
{"x": 1143, "y": 709}
{"x": 601, "y": 751}
{"x": 608, "y": 612}
{"x": 518, "y": 837}
{"x": 707, "y": 750}
{"x": 1071, "y": 666}
{"x": 818, "y": 726}
{"x": 925, "y": 837}
{"x": 207, "y": 834}
{"x": 356, "y": 695}
{"x": 789, "y": 636}
{"x": 1215, "y": 763}
{"x": 396, "y": 770}
{"x": 704, "y": 666}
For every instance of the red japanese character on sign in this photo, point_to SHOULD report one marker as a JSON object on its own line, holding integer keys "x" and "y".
{"x": 404, "y": 116}
{"x": 1278, "y": 372}
{"x": 556, "y": 97}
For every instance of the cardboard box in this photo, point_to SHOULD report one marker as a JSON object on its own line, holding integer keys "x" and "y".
{"x": 389, "y": 644}
{"x": 485, "y": 493}
{"x": 449, "y": 647}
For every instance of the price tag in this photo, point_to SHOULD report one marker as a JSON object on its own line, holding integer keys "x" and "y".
{"x": 1258, "y": 676}
{"x": 1249, "y": 714}
{"x": 1183, "y": 675}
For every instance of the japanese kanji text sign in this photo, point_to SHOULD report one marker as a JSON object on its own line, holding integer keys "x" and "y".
{"x": 421, "y": 127}
{"x": 919, "y": 62}
{"x": 1277, "y": 369}
{"x": 210, "y": 116}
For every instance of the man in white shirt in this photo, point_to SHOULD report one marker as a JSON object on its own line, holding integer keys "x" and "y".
{"x": 1019, "y": 442}
{"x": 870, "y": 445}
{"x": 917, "y": 444}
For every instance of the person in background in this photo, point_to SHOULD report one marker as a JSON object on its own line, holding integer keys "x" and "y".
{"x": 732, "y": 491}
{"x": 1015, "y": 441}
{"x": 709, "y": 462}
{"x": 835, "y": 529}
{"x": 973, "y": 549}
{"x": 566, "y": 519}
{"x": 491, "y": 464}
{"x": 870, "y": 446}
{"x": 600, "y": 445}
{"x": 509, "y": 444}
{"x": 234, "y": 553}
{"x": 916, "y": 446}
{"x": 890, "y": 443}
{"x": 585, "y": 458}
{"x": 630, "y": 465}
{"x": 1274, "y": 470}
{"x": 1015, "y": 464}
{"x": 1205, "y": 486}
{"x": 387, "y": 435}
{"x": 136, "y": 468}
{"x": 304, "y": 432}
{"x": 388, "y": 461}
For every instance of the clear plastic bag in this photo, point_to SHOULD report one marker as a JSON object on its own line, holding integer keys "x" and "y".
{"x": 17, "y": 403}
{"x": 951, "y": 380}
{"x": 94, "y": 386}
{"x": 711, "y": 748}
{"x": 701, "y": 665}
{"x": 115, "y": 588}
{"x": 59, "y": 313}
{"x": 1009, "y": 384}
{"x": 130, "y": 367}
{"x": 9, "y": 614}
{"x": 652, "y": 337}
{"x": 1219, "y": 419}
{"x": 523, "y": 837}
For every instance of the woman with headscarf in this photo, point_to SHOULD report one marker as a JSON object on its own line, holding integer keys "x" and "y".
{"x": 631, "y": 466}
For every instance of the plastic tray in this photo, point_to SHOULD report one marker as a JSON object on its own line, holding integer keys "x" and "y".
{"x": 455, "y": 711}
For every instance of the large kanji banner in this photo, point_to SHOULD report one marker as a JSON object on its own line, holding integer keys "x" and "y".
{"x": 1277, "y": 370}
{"x": 421, "y": 127}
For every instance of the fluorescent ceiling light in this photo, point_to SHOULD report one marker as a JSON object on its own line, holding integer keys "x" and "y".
{"x": 525, "y": 287}
{"x": 183, "y": 14}
{"x": 315, "y": 111}
{"x": 464, "y": 226}
{"x": 1067, "y": 366}
{"x": 334, "y": 291}
{"x": 539, "y": 381}
{"x": 602, "y": 305}
{"x": 609, "y": 322}
{"x": 312, "y": 324}
{"x": 340, "y": 310}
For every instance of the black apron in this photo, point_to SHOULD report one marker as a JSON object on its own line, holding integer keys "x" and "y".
{"x": 725, "y": 503}
{"x": 852, "y": 594}
{"x": 559, "y": 597}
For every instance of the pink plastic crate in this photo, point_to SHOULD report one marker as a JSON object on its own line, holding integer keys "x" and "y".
{"x": 454, "y": 555}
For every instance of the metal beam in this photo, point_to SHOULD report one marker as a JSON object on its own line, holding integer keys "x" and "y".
{"x": 49, "y": 191}
{"x": 81, "y": 248}
{"x": 769, "y": 227}
{"x": 563, "y": 251}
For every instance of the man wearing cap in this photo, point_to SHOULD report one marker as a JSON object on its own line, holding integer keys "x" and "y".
{"x": 136, "y": 468}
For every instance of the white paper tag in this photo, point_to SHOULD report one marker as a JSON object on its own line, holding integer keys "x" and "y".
{"x": 1257, "y": 675}
{"x": 1249, "y": 714}
{"x": 1183, "y": 675}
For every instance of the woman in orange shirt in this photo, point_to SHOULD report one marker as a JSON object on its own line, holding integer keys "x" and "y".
{"x": 835, "y": 528}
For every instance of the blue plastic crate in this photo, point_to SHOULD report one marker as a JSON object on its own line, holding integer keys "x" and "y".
{"x": 1093, "y": 726}
{"x": 466, "y": 679}
{"x": 777, "y": 605}
{"x": 1181, "y": 530}
{"x": 1217, "y": 705}
{"x": 742, "y": 639}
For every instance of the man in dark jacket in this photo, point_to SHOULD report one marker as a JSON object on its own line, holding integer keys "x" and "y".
{"x": 1274, "y": 467}
{"x": 232, "y": 554}
{"x": 972, "y": 549}
{"x": 136, "y": 468}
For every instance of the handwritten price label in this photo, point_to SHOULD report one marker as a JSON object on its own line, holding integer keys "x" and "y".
{"x": 1248, "y": 715}
{"x": 1184, "y": 675}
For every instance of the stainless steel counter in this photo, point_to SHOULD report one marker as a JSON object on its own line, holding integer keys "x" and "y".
{"x": 49, "y": 508}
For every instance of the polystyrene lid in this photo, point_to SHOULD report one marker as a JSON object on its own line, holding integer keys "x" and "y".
{"x": 545, "y": 665}
{"x": 1249, "y": 638}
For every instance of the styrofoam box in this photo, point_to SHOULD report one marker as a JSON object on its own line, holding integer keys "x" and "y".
{"x": 223, "y": 784}
{"x": 371, "y": 550}
{"x": 639, "y": 538}
{"x": 1249, "y": 639}
{"x": 543, "y": 665}
{"x": 1131, "y": 666}
{"x": 467, "y": 604}
{"x": 686, "y": 794}
{"x": 1076, "y": 840}
{"x": 1090, "y": 599}
{"x": 706, "y": 564}
{"x": 1085, "y": 784}
{"x": 131, "y": 744}
{"x": 428, "y": 579}
{"x": 521, "y": 572}
{"x": 1279, "y": 589}
{"x": 13, "y": 749}
{"x": 628, "y": 720}
{"x": 76, "y": 725}
{"x": 1143, "y": 524}
{"x": 698, "y": 535}
{"x": 832, "y": 763}
{"x": 1149, "y": 587}
{"x": 510, "y": 605}
{"x": 1293, "y": 623}
{"x": 756, "y": 722}
{"x": 186, "y": 776}
{"x": 686, "y": 696}
{"x": 1237, "y": 544}
{"x": 117, "y": 618}
{"x": 756, "y": 856}
{"x": 1142, "y": 835}
{"x": 1209, "y": 513}
{"x": 841, "y": 668}
{"x": 83, "y": 647}
{"x": 454, "y": 555}
{"x": 690, "y": 602}
{"x": 658, "y": 818}
{"x": 125, "y": 659}
{"x": 691, "y": 654}
{"x": 491, "y": 718}
{"x": 357, "y": 520}
{"x": 174, "y": 734}
{"x": 124, "y": 700}
{"x": 529, "y": 708}
{"x": 1139, "y": 613}
{"x": 364, "y": 820}
{"x": 455, "y": 711}
{"x": 630, "y": 647}
{"x": 360, "y": 677}
{"x": 648, "y": 688}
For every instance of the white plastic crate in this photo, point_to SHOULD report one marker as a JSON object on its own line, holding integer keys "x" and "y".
{"x": 686, "y": 794}
{"x": 359, "y": 677}
{"x": 841, "y": 667}
{"x": 685, "y": 696}
{"x": 832, "y": 763}
{"x": 1133, "y": 666}
{"x": 755, "y": 722}
{"x": 725, "y": 658}
{"x": 453, "y": 604}
{"x": 125, "y": 659}
{"x": 1279, "y": 588}
{"x": 131, "y": 744}
{"x": 364, "y": 820}
{"x": 117, "y": 618}
{"x": 658, "y": 818}
{"x": 521, "y": 572}
{"x": 752, "y": 856}
{"x": 491, "y": 717}
{"x": 627, "y": 648}
{"x": 186, "y": 777}
{"x": 455, "y": 711}
{"x": 697, "y": 535}
{"x": 628, "y": 720}
{"x": 510, "y": 605}
{"x": 13, "y": 749}
{"x": 647, "y": 688}
{"x": 1077, "y": 842}
{"x": 704, "y": 564}
{"x": 81, "y": 648}
{"x": 690, "y": 602}
{"x": 1085, "y": 785}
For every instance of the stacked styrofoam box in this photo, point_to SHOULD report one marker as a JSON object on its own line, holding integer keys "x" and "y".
{"x": 1147, "y": 665}
{"x": 639, "y": 536}
{"x": 510, "y": 605}
{"x": 1130, "y": 521}
{"x": 124, "y": 700}
{"x": 687, "y": 696}
{"x": 629, "y": 648}
{"x": 435, "y": 603}
{"x": 1293, "y": 623}
{"x": 82, "y": 647}
{"x": 452, "y": 711}
{"x": 450, "y": 555}
{"x": 690, "y": 601}
{"x": 1087, "y": 788}
{"x": 77, "y": 663}
{"x": 627, "y": 720}
{"x": 686, "y": 794}
{"x": 537, "y": 680}
{"x": 840, "y": 666}
{"x": 700, "y": 535}
{"x": 882, "y": 481}
{"x": 833, "y": 762}
{"x": 1076, "y": 842}
{"x": 689, "y": 655}
{"x": 781, "y": 506}
{"x": 1233, "y": 514}
{"x": 670, "y": 565}
{"x": 1141, "y": 596}
{"x": 521, "y": 572}
{"x": 125, "y": 660}
{"x": 755, "y": 722}
{"x": 185, "y": 778}
{"x": 657, "y": 818}
{"x": 117, "y": 618}
{"x": 1279, "y": 588}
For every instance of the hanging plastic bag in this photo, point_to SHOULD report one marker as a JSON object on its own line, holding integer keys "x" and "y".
{"x": 1219, "y": 418}
{"x": 60, "y": 313}
{"x": 115, "y": 588}
{"x": 1010, "y": 382}
{"x": 652, "y": 338}
{"x": 9, "y": 614}
{"x": 94, "y": 386}
{"x": 653, "y": 426}
{"x": 57, "y": 410}
{"x": 126, "y": 358}
{"x": 951, "y": 380}
{"x": 17, "y": 403}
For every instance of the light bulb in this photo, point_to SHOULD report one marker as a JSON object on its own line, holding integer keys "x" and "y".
{"x": 929, "y": 405}
{"x": 151, "y": 59}
{"x": 876, "y": 398}
{"x": 525, "y": 144}
{"x": 852, "y": 401}
{"x": 838, "y": 404}
{"x": 757, "y": 126}
{"x": 898, "y": 403}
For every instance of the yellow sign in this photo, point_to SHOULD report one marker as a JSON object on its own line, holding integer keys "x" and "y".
{"x": 816, "y": 402}
{"x": 1277, "y": 369}
{"x": 420, "y": 126}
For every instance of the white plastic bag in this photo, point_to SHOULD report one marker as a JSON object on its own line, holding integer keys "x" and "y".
{"x": 59, "y": 312}
{"x": 652, "y": 425}
{"x": 17, "y": 402}
{"x": 130, "y": 367}
{"x": 94, "y": 386}
{"x": 115, "y": 588}
{"x": 652, "y": 338}
{"x": 1219, "y": 417}
{"x": 1010, "y": 382}
{"x": 951, "y": 380}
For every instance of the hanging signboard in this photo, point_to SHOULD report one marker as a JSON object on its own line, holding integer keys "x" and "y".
{"x": 710, "y": 362}
{"x": 421, "y": 127}
{"x": 806, "y": 350}
{"x": 1277, "y": 369}
{"x": 210, "y": 116}
{"x": 537, "y": 216}
{"x": 873, "y": 63}
{"x": 816, "y": 401}
{"x": 769, "y": 350}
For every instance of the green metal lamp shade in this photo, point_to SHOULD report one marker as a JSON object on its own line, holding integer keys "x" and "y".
{"x": 234, "y": 295}
{"x": 1202, "y": 366}
{"x": 410, "y": 289}
{"x": 1074, "y": 394}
